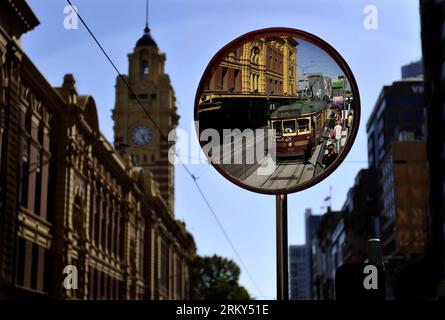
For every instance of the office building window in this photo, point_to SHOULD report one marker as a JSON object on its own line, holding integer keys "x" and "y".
{"x": 408, "y": 116}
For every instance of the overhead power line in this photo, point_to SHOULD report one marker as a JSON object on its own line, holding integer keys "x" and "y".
{"x": 194, "y": 178}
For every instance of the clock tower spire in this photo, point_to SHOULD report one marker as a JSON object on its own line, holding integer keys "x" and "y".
{"x": 134, "y": 133}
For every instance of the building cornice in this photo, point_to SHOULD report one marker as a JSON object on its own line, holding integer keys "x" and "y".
{"x": 25, "y": 18}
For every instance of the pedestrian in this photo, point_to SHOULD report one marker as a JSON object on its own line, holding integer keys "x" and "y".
{"x": 330, "y": 157}
{"x": 338, "y": 117}
{"x": 308, "y": 151}
{"x": 349, "y": 123}
{"x": 337, "y": 138}
{"x": 331, "y": 124}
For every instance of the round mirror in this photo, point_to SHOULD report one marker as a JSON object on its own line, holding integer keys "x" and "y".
{"x": 277, "y": 110}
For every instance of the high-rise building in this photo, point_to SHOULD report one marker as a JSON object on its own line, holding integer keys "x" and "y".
{"x": 396, "y": 151}
{"x": 311, "y": 226}
{"x": 298, "y": 276}
{"x": 411, "y": 70}
{"x": 404, "y": 182}
{"x": 361, "y": 214}
{"x": 399, "y": 107}
{"x": 432, "y": 32}
{"x": 326, "y": 242}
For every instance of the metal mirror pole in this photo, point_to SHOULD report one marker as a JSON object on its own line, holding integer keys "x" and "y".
{"x": 282, "y": 248}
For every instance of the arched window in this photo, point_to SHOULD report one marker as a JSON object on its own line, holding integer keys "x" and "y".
{"x": 144, "y": 67}
{"x": 77, "y": 215}
{"x": 255, "y": 55}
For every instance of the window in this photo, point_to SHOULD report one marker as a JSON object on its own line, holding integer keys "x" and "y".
{"x": 289, "y": 126}
{"x": 419, "y": 132}
{"x": 165, "y": 264}
{"x": 144, "y": 67}
{"x": 224, "y": 79}
{"x": 179, "y": 277}
{"x": 135, "y": 158}
{"x": 77, "y": 215}
{"x": 420, "y": 115}
{"x": 303, "y": 125}
{"x": 104, "y": 223}
{"x": 277, "y": 126}
{"x": 393, "y": 117}
{"x": 30, "y": 265}
{"x": 236, "y": 80}
{"x": 408, "y": 116}
{"x": 97, "y": 216}
{"x": 254, "y": 55}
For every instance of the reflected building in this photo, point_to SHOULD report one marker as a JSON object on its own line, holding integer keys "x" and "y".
{"x": 314, "y": 85}
{"x": 258, "y": 75}
{"x": 265, "y": 66}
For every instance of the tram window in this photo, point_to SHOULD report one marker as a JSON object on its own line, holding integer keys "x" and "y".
{"x": 303, "y": 125}
{"x": 277, "y": 126}
{"x": 289, "y": 126}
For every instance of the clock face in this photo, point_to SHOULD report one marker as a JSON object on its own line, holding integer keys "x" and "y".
{"x": 141, "y": 135}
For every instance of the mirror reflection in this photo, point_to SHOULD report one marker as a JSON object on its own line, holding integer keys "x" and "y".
{"x": 275, "y": 112}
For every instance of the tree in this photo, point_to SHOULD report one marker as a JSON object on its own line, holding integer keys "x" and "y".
{"x": 216, "y": 278}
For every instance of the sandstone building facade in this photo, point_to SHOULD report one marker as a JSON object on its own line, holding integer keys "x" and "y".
{"x": 265, "y": 66}
{"x": 68, "y": 198}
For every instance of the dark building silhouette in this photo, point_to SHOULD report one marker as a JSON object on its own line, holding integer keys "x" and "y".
{"x": 414, "y": 69}
{"x": 311, "y": 227}
{"x": 361, "y": 215}
{"x": 432, "y": 15}
{"x": 396, "y": 151}
{"x": 323, "y": 260}
{"x": 399, "y": 108}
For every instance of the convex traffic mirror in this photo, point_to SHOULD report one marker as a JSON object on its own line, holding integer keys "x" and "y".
{"x": 277, "y": 110}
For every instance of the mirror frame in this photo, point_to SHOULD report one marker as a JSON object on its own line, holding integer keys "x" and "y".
{"x": 298, "y": 34}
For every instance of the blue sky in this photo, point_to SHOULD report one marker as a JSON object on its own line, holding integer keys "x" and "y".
{"x": 313, "y": 59}
{"x": 190, "y": 33}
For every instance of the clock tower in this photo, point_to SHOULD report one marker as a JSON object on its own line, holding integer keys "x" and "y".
{"x": 134, "y": 133}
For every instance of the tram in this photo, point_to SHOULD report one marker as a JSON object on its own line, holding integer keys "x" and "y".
{"x": 299, "y": 127}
